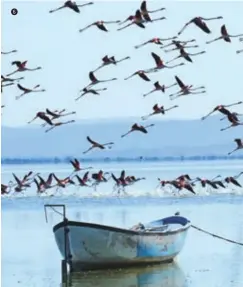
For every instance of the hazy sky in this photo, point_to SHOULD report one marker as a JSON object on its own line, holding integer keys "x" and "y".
{"x": 53, "y": 42}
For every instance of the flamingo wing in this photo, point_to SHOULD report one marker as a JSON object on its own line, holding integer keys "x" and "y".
{"x": 51, "y": 113}
{"x": 17, "y": 63}
{"x": 17, "y": 180}
{"x": 155, "y": 107}
{"x": 224, "y": 33}
{"x": 202, "y": 25}
{"x": 106, "y": 59}
{"x": 140, "y": 25}
{"x": 143, "y": 76}
{"x": 238, "y": 142}
{"x": 143, "y": 6}
{"x": 102, "y": 27}
{"x": 143, "y": 130}
{"x": 85, "y": 177}
{"x": 92, "y": 77}
{"x": 138, "y": 16}
{"x": 73, "y": 6}
{"x": 22, "y": 88}
{"x": 91, "y": 141}
{"x": 235, "y": 182}
{"x": 157, "y": 59}
{"x": 122, "y": 176}
{"x": 180, "y": 83}
{"x": 77, "y": 163}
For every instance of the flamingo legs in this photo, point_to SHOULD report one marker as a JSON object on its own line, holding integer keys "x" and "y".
{"x": 28, "y": 92}
{"x": 190, "y": 46}
{"x": 231, "y": 126}
{"x": 191, "y": 91}
{"x": 98, "y": 81}
{"x": 83, "y": 94}
{"x": 59, "y": 124}
{"x": 234, "y": 150}
{"x": 223, "y": 38}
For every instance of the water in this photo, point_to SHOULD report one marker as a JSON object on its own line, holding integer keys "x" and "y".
{"x": 30, "y": 256}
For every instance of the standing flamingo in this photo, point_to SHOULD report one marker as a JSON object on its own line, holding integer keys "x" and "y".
{"x": 222, "y": 109}
{"x": 27, "y": 91}
{"x": 9, "y": 52}
{"x": 158, "y": 110}
{"x": 21, "y": 67}
{"x": 110, "y": 60}
{"x": 199, "y": 22}
{"x": 185, "y": 89}
{"x": 71, "y": 5}
{"x": 141, "y": 74}
{"x": 97, "y": 145}
{"x": 145, "y": 12}
{"x": 136, "y": 127}
{"x": 234, "y": 122}
{"x": 89, "y": 91}
{"x": 95, "y": 81}
{"x": 186, "y": 56}
{"x": 239, "y": 144}
{"x": 100, "y": 25}
{"x": 158, "y": 87}
{"x": 179, "y": 44}
{"x": 138, "y": 20}
{"x": 157, "y": 41}
{"x": 160, "y": 64}
{"x": 224, "y": 36}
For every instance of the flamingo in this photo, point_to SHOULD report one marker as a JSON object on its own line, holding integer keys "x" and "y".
{"x": 76, "y": 165}
{"x": 205, "y": 182}
{"x": 179, "y": 45}
{"x": 199, "y": 22}
{"x": 5, "y": 79}
{"x": 58, "y": 114}
{"x": 71, "y": 5}
{"x": 40, "y": 187}
{"x": 158, "y": 110}
{"x": 89, "y": 91}
{"x": 138, "y": 20}
{"x": 21, "y": 185}
{"x": 234, "y": 122}
{"x": 145, "y": 12}
{"x": 97, "y": 145}
{"x": 54, "y": 125}
{"x": 222, "y": 109}
{"x": 21, "y": 67}
{"x": 231, "y": 179}
{"x": 157, "y": 41}
{"x": 82, "y": 181}
{"x": 27, "y": 91}
{"x": 42, "y": 116}
{"x": 46, "y": 183}
{"x": 160, "y": 64}
{"x": 100, "y": 25}
{"x": 239, "y": 143}
{"x": 185, "y": 55}
{"x": 136, "y": 127}
{"x": 224, "y": 36}
{"x": 141, "y": 74}
{"x": 95, "y": 81}
{"x": 110, "y": 60}
{"x": 158, "y": 87}
{"x": 98, "y": 178}
{"x": 185, "y": 89}
{"x": 4, "y": 189}
{"x": 9, "y": 52}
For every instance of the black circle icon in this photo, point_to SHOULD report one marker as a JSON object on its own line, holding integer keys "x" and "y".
{"x": 14, "y": 11}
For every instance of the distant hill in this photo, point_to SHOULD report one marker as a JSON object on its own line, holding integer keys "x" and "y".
{"x": 167, "y": 138}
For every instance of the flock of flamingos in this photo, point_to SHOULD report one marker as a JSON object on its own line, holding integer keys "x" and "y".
{"x": 52, "y": 118}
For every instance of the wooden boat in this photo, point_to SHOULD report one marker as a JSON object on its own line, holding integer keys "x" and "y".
{"x": 93, "y": 246}
{"x": 169, "y": 275}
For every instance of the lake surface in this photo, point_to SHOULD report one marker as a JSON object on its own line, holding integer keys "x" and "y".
{"x": 30, "y": 256}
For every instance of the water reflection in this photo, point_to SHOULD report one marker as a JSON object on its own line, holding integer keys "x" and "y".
{"x": 166, "y": 275}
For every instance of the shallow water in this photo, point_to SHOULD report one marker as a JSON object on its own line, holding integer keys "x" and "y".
{"x": 30, "y": 256}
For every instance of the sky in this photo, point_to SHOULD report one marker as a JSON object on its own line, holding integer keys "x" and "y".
{"x": 66, "y": 56}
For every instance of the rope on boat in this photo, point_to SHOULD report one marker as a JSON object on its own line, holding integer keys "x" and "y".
{"x": 217, "y": 236}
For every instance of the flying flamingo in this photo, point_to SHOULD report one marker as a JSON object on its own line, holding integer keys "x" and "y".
{"x": 27, "y": 91}
{"x": 186, "y": 56}
{"x": 57, "y": 115}
{"x": 157, "y": 41}
{"x": 231, "y": 179}
{"x": 110, "y": 60}
{"x": 222, "y": 109}
{"x": 71, "y": 5}
{"x": 100, "y": 25}
{"x": 199, "y": 22}
{"x": 136, "y": 127}
{"x": 95, "y": 81}
{"x": 239, "y": 143}
{"x": 224, "y": 36}
{"x": 82, "y": 181}
{"x": 42, "y": 116}
{"x": 40, "y": 187}
{"x": 5, "y": 79}
{"x": 21, "y": 185}
{"x": 179, "y": 44}
{"x": 145, "y": 12}
{"x": 158, "y": 87}
{"x": 9, "y": 52}
{"x": 234, "y": 122}
{"x": 158, "y": 110}
{"x": 89, "y": 91}
{"x": 160, "y": 64}
{"x": 185, "y": 89}
{"x": 138, "y": 20}
{"x": 21, "y": 67}
{"x": 54, "y": 125}
{"x": 141, "y": 74}
{"x": 46, "y": 183}
{"x": 97, "y": 145}
{"x": 76, "y": 165}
